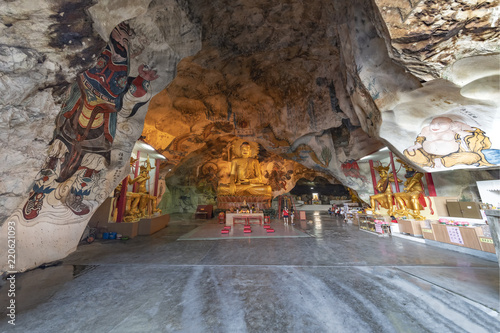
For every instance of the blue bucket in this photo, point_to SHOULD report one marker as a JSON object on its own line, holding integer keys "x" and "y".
{"x": 112, "y": 235}
{"x": 105, "y": 235}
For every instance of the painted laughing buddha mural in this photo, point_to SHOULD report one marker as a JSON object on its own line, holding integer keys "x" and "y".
{"x": 446, "y": 143}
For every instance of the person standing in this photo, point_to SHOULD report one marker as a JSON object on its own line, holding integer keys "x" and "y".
{"x": 285, "y": 215}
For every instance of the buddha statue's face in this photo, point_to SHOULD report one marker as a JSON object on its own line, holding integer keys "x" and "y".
{"x": 245, "y": 150}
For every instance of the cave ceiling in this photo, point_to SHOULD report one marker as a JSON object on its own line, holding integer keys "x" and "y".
{"x": 310, "y": 81}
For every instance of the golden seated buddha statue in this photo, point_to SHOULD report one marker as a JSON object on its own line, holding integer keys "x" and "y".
{"x": 246, "y": 177}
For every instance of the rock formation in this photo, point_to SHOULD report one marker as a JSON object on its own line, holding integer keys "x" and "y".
{"x": 320, "y": 83}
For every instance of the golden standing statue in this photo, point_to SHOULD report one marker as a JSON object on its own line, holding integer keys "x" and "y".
{"x": 408, "y": 200}
{"x": 246, "y": 177}
{"x": 138, "y": 201}
{"x": 384, "y": 197}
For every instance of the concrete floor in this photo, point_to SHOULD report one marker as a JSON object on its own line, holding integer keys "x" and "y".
{"x": 336, "y": 279}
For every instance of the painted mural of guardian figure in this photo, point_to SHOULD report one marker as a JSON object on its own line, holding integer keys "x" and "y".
{"x": 86, "y": 127}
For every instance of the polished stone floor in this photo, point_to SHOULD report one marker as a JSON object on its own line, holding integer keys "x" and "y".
{"x": 333, "y": 278}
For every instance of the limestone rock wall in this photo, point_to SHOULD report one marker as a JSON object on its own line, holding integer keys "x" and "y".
{"x": 146, "y": 50}
{"x": 428, "y": 36}
{"x": 42, "y": 48}
{"x": 282, "y": 75}
{"x": 327, "y": 83}
{"x": 453, "y": 48}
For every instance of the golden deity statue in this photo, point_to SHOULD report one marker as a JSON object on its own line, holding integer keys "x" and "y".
{"x": 354, "y": 195}
{"x": 246, "y": 177}
{"x": 138, "y": 201}
{"x": 384, "y": 197}
{"x": 408, "y": 200}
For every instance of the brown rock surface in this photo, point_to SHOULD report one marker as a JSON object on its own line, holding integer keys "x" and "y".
{"x": 427, "y": 36}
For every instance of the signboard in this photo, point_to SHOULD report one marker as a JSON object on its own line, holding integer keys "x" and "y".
{"x": 455, "y": 235}
{"x": 302, "y": 215}
{"x": 486, "y": 240}
{"x": 378, "y": 228}
{"x": 244, "y": 131}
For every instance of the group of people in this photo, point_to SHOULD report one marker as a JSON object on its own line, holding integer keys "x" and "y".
{"x": 288, "y": 214}
{"x": 335, "y": 210}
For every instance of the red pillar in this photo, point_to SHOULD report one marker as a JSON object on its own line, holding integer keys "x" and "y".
{"x": 374, "y": 180}
{"x": 430, "y": 185}
{"x": 157, "y": 176}
{"x": 136, "y": 173}
{"x": 122, "y": 201}
{"x": 396, "y": 184}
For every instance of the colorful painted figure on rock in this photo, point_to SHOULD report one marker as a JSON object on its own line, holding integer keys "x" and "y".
{"x": 445, "y": 143}
{"x": 86, "y": 125}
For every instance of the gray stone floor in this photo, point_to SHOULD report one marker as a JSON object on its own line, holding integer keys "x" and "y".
{"x": 338, "y": 279}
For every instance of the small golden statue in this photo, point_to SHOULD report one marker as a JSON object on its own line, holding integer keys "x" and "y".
{"x": 137, "y": 202}
{"x": 384, "y": 197}
{"x": 246, "y": 177}
{"x": 354, "y": 195}
{"x": 409, "y": 200}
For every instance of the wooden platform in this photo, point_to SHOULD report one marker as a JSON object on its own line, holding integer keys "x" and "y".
{"x": 146, "y": 226}
{"x": 411, "y": 227}
{"x": 152, "y": 225}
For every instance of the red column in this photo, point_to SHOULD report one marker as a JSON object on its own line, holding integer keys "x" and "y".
{"x": 396, "y": 184}
{"x": 157, "y": 175}
{"x": 430, "y": 185}
{"x": 136, "y": 173}
{"x": 374, "y": 180}
{"x": 122, "y": 201}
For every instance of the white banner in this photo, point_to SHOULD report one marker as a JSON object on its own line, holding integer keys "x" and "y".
{"x": 455, "y": 235}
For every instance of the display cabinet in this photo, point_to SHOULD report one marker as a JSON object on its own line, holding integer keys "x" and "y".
{"x": 374, "y": 223}
{"x": 457, "y": 235}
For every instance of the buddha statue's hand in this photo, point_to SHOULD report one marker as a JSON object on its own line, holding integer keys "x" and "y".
{"x": 244, "y": 181}
{"x": 255, "y": 181}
